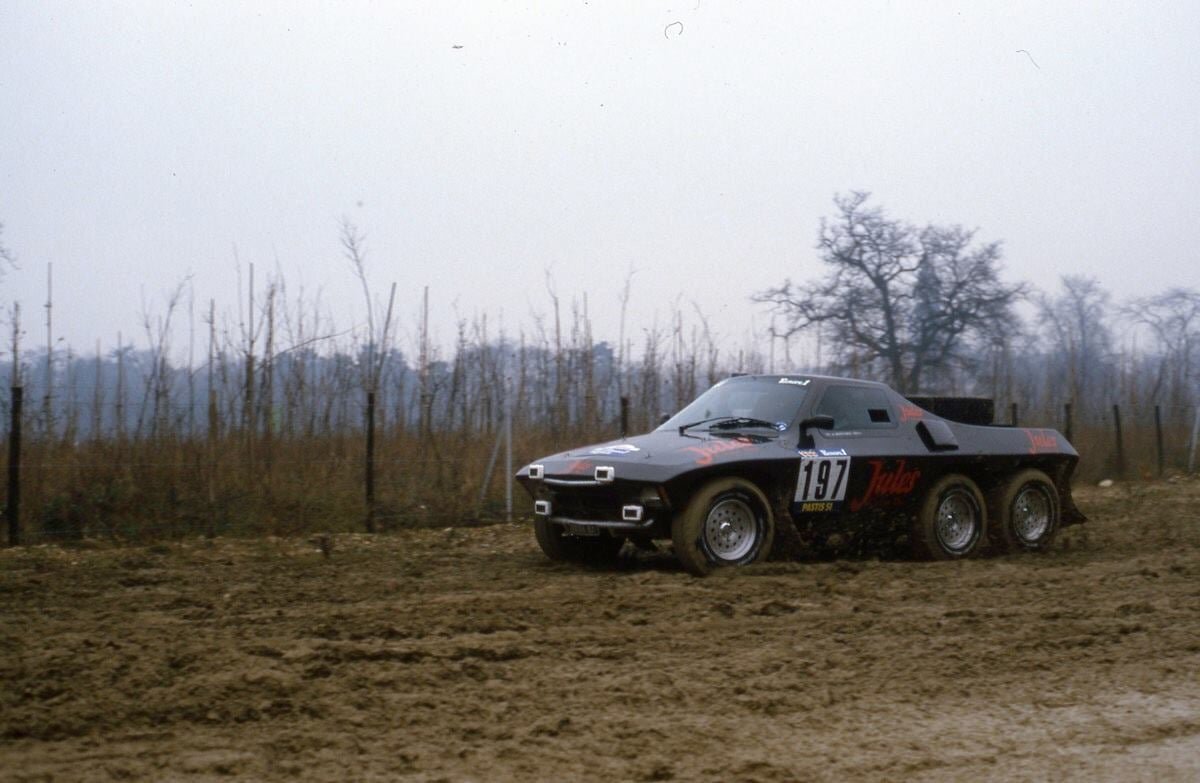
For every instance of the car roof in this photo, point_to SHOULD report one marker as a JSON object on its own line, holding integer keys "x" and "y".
{"x": 822, "y": 379}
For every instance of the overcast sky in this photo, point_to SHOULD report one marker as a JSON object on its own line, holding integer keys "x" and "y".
{"x": 478, "y": 144}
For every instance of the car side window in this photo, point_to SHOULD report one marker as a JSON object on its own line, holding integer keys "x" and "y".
{"x": 857, "y": 408}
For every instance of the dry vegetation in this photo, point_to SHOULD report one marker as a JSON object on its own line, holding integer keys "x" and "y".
{"x": 168, "y": 488}
{"x": 462, "y": 654}
{"x": 264, "y": 428}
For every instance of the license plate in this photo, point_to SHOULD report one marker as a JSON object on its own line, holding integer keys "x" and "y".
{"x": 576, "y": 529}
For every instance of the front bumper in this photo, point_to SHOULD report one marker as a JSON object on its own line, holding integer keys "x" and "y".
{"x": 598, "y": 503}
{"x": 590, "y": 526}
{"x": 633, "y": 518}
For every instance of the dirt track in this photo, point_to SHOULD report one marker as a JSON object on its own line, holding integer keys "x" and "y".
{"x": 464, "y": 655}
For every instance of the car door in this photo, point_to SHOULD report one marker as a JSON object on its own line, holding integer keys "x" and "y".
{"x": 858, "y": 463}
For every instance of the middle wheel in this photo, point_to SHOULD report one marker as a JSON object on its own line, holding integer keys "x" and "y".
{"x": 728, "y": 522}
{"x": 952, "y": 520}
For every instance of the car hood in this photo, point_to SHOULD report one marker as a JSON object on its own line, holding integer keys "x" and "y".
{"x": 662, "y": 452}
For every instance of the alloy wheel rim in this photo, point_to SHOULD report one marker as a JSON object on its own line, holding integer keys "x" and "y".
{"x": 730, "y": 529}
{"x": 1031, "y": 514}
{"x": 957, "y": 523}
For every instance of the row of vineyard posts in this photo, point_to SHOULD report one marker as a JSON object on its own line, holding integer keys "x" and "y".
{"x": 1116, "y": 461}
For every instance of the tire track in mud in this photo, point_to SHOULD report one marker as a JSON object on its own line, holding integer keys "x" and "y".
{"x": 463, "y": 655}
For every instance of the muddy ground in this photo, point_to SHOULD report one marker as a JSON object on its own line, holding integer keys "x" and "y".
{"x": 464, "y": 655}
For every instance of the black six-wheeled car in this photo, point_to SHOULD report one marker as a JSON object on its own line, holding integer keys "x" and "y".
{"x": 846, "y": 462}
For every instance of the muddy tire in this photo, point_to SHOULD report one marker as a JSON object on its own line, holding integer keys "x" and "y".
{"x": 728, "y": 522}
{"x": 952, "y": 521}
{"x": 1025, "y": 512}
{"x": 558, "y": 546}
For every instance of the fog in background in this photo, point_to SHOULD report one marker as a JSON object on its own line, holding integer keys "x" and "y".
{"x": 478, "y": 145}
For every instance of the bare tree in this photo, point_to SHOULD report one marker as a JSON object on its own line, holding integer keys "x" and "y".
{"x": 14, "y": 318}
{"x": 6, "y": 255}
{"x": 378, "y": 348}
{"x": 1077, "y": 323}
{"x": 1174, "y": 318}
{"x": 156, "y": 392}
{"x": 909, "y": 299}
{"x": 378, "y": 337}
{"x": 559, "y": 410}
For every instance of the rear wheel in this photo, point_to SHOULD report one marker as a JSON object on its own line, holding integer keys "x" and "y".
{"x": 952, "y": 521}
{"x": 727, "y": 523}
{"x": 561, "y": 547}
{"x": 1027, "y": 512}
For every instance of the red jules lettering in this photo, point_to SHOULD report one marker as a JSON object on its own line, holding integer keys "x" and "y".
{"x": 910, "y": 413}
{"x": 1042, "y": 441}
{"x": 579, "y": 466}
{"x": 706, "y": 452}
{"x": 887, "y": 483}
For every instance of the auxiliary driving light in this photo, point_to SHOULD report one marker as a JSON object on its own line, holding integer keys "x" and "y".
{"x": 631, "y": 513}
{"x": 541, "y": 508}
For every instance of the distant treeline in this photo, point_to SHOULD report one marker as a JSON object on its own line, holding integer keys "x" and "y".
{"x": 259, "y": 422}
{"x": 1074, "y": 352}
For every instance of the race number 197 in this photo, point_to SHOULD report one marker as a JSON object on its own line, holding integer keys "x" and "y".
{"x": 822, "y": 478}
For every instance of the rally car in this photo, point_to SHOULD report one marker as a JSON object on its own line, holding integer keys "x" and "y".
{"x": 845, "y": 462}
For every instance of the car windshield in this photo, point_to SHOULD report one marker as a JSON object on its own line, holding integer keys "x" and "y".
{"x": 771, "y": 401}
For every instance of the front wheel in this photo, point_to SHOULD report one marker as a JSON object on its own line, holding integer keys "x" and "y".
{"x": 558, "y": 546}
{"x": 1027, "y": 510}
{"x": 952, "y": 521}
{"x": 727, "y": 523}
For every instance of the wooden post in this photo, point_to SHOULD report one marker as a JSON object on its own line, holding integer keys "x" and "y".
{"x": 1014, "y": 414}
{"x": 1158, "y": 439}
{"x": 1192, "y": 444}
{"x": 425, "y": 406}
{"x": 47, "y": 397}
{"x": 508, "y": 455}
{"x": 487, "y": 474}
{"x": 249, "y": 420}
{"x": 98, "y": 400}
{"x": 120, "y": 408}
{"x": 1120, "y": 440}
{"x": 1067, "y": 425}
{"x": 213, "y": 420}
{"x": 13, "y": 510}
{"x": 370, "y": 462}
{"x": 624, "y": 417}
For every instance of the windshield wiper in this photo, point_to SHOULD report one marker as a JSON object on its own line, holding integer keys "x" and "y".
{"x": 742, "y": 421}
{"x": 685, "y": 427}
{"x": 728, "y": 423}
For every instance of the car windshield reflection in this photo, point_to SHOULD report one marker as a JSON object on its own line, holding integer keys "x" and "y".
{"x": 744, "y": 403}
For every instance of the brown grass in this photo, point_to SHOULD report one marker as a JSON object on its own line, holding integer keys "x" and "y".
{"x": 147, "y": 490}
